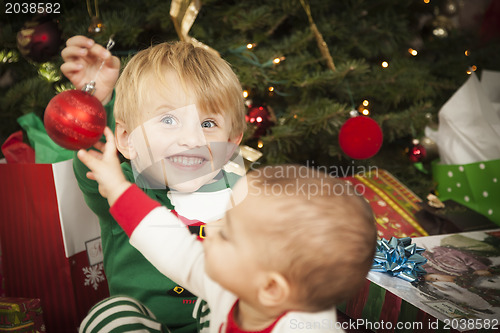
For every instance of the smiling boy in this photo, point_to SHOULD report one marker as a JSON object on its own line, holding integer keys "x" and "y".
{"x": 178, "y": 118}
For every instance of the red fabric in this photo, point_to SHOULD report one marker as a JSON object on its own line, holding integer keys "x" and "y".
{"x": 390, "y": 309}
{"x": 356, "y": 304}
{"x": 232, "y": 326}
{"x": 131, "y": 207}
{"x": 34, "y": 260}
{"x": 16, "y": 151}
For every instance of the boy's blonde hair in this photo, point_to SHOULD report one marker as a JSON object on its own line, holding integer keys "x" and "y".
{"x": 321, "y": 236}
{"x": 203, "y": 75}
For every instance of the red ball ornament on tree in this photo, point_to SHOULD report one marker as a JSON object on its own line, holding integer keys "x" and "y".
{"x": 260, "y": 117}
{"x": 360, "y": 137}
{"x": 74, "y": 119}
{"x": 39, "y": 39}
{"x": 417, "y": 152}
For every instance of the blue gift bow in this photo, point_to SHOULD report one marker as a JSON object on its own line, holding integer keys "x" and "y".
{"x": 399, "y": 258}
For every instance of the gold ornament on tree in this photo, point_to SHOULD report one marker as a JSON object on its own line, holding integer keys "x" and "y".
{"x": 96, "y": 26}
{"x": 323, "y": 47}
{"x": 183, "y": 14}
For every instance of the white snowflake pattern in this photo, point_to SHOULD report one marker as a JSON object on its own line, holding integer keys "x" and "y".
{"x": 93, "y": 275}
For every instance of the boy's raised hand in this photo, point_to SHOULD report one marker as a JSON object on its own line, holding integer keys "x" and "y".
{"x": 105, "y": 168}
{"x": 82, "y": 59}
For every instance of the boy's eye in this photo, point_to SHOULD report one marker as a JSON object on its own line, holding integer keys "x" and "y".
{"x": 169, "y": 120}
{"x": 208, "y": 124}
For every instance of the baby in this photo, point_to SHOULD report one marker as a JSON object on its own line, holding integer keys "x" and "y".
{"x": 281, "y": 260}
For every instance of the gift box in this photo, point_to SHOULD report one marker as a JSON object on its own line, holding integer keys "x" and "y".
{"x": 393, "y": 204}
{"x": 21, "y": 315}
{"x": 50, "y": 242}
{"x": 460, "y": 292}
{"x": 474, "y": 185}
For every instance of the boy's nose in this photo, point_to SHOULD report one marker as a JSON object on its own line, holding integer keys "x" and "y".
{"x": 192, "y": 137}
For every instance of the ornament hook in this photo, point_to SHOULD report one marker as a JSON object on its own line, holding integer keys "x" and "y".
{"x": 89, "y": 88}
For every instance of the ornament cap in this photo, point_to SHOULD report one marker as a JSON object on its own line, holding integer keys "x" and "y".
{"x": 353, "y": 113}
{"x": 89, "y": 88}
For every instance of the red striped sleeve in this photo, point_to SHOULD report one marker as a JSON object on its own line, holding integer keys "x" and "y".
{"x": 131, "y": 208}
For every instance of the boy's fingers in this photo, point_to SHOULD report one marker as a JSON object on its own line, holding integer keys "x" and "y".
{"x": 99, "y": 145}
{"x": 72, "y": 52}
{"x": 110, "y": 140}
{"x": 99, "y": 51}
{"x": 86, "y": 158}
{"x": 112, "y": 62}
{"x": 71, "y": 68}
{"x": 90, "y": 175}
{"x": 80, "y": 41}
{"x": 95, "y": 154}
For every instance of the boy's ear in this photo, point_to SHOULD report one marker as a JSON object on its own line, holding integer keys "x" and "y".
{"x": 275, "y": 291}
{"x": 123, "y": 141}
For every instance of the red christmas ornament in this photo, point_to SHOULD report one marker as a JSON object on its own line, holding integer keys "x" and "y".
{"x": 417, "y": 152}
{"x": 360, "y": 137}
{"x": 39, "y": 39}
{"x": 260, "y": 117}
{"x": 75, "y": 119}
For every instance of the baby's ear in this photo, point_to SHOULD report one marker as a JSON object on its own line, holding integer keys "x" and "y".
{"x": 275, "y": 290}
{"x": 123, "y": 143}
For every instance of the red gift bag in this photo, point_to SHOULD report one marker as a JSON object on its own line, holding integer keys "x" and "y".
{"x": 50, "y": 242}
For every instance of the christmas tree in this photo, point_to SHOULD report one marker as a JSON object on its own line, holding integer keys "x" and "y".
{"x": 305, "y": 65}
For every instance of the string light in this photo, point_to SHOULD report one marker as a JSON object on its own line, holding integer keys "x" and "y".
{"x": 467, "y": 53}
{"x": 413, "y": 52}
{"x": 251, "y": 45}
{"x": 245, "y": 93}
{"x": 365, "y": 102}
{"x": 385, "y": 64}
{"x": 427, "y": 1}
{"x": 365, "y": 112}
{"x": 271, "y": 89}
{"x": 260, "y": 144}
{"x": 278, "y": 60}
{"x": 439, "y": 32}
{"x": 472, "y": 68}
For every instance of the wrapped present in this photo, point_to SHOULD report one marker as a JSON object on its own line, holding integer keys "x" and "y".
{"x": 21, "y": 315}
{"x": 459, "y": 292}
{"x": 392, "y": 202}
{"x": 50, "y": 242}
{"x": 474, "y": 185}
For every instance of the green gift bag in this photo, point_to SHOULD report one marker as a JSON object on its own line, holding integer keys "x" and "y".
{"x": 474, "y": 185}
{"x": 46, "y": 150}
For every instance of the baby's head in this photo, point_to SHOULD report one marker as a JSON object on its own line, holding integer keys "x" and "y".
{"x": 299, "y": 237}
{"x": 177, "y": 104}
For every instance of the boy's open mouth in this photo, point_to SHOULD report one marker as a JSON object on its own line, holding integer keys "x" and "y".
{"x": 186, "y": 161}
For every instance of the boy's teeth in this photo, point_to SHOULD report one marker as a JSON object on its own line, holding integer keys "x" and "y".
{"x": 187, "y": 161}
